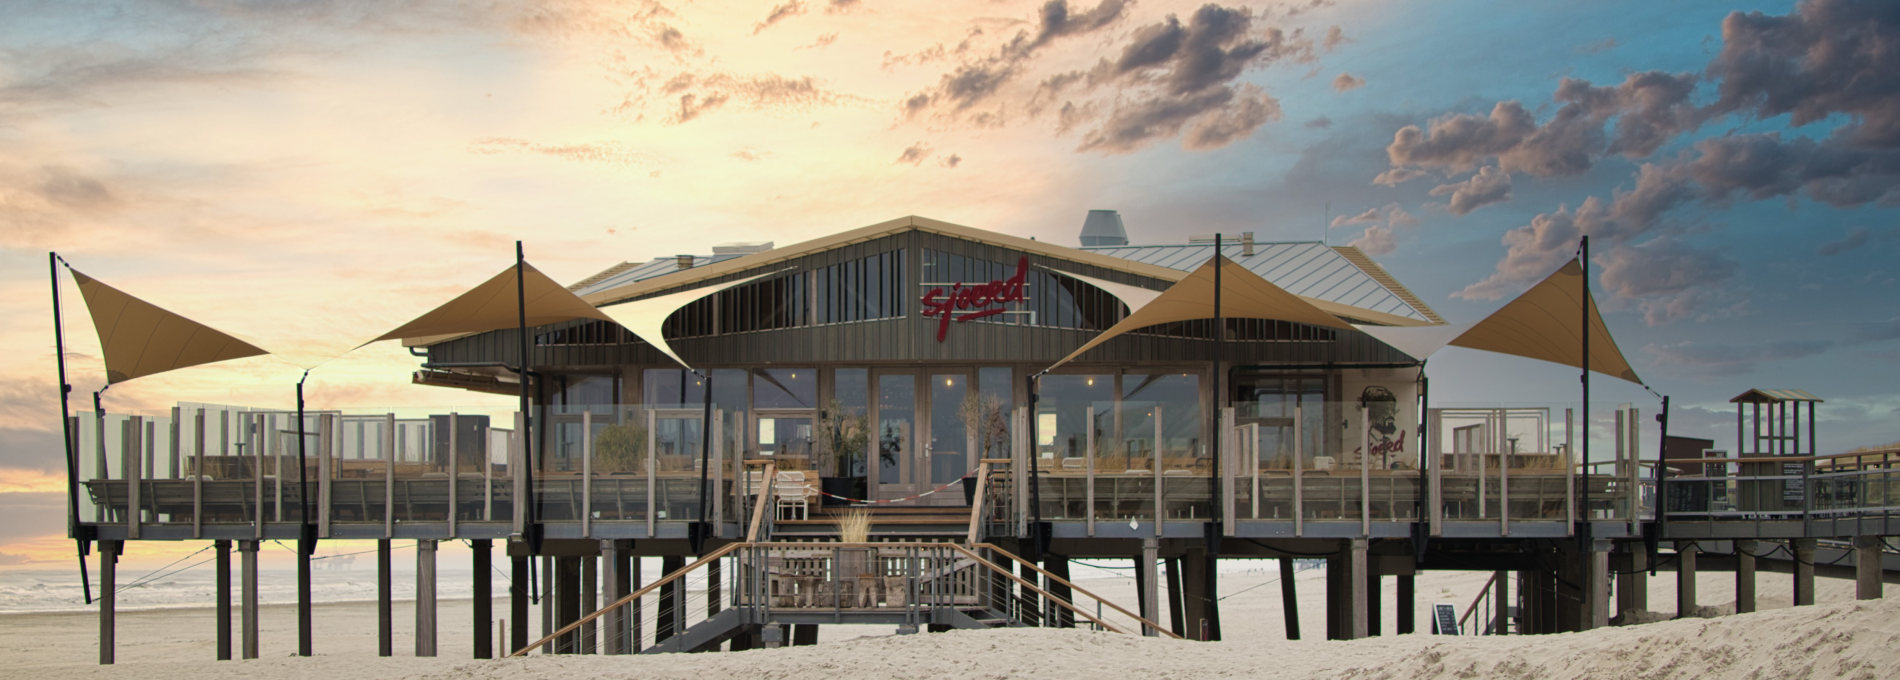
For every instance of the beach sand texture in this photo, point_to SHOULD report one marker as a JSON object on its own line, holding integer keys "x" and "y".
{"x": 1837, "y": 638}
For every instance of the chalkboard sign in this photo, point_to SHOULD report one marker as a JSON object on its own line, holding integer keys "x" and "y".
{"x": 1793, "y": 491}
{"x": 1445, "y": 619}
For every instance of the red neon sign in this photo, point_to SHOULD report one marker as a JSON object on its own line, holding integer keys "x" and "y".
{"x": 986, "y": 298}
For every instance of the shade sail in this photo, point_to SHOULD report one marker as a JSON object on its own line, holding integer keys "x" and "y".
{"x": 139, "y": 338}
{"x": 645, "y": 317}
{"x": 1244, "y": 295}
{"x": 1135, "y": 297}
{"x": 1546, "y": 323}
{"x": 1417, "y": 342}
{"x": 492, "y": 306}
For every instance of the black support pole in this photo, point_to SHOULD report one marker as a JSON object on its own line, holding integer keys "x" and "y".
{"x": 527, "y": 416}
{"x": 1289, "y": 599}
{"x": 705, "y": 455}
{"x": 1217, "y": 514}
{"x": 223, "y": 549}
{"x": 517, "y": 603}
{"x": 484, "y": 598}
{"x": 306, "y": 534}
{"x": 79, "y": 533}
{"x": 1583, "y": 258}
{"x": 385, "y": 618}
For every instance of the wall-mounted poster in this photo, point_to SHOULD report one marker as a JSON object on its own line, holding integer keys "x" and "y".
{"x": 1390, "y": 397}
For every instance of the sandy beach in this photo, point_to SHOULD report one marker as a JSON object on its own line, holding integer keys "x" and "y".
{"x": 1837, "y": 638}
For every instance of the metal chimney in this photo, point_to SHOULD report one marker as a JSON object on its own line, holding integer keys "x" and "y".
{"x": 1103, "y": 228}
{"x": 685, "y": 261}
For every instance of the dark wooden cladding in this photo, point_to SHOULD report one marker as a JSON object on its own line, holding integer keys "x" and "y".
{"x": 911, "y": 337}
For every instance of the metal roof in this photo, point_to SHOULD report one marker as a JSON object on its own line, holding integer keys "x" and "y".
{"x": 1759, "y": 396}
{"x": 1309, "y": 269}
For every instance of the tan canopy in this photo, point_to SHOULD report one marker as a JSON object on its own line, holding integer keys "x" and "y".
{"x": 645, "y": 317}
{"x": 1244, "y": 295}
{"x": 491, "y": 306}
{"x": 139, "y": 338}
{"x": 1135, "y": 297}
{"x": 1544, "y": 323}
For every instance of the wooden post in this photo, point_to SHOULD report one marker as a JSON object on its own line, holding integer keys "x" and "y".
{"x": 1803, "y": 571}
{"x": 1501, "y": 623}
{"x": 1177, "y": 616}
{"x": 1375, "y": 598}
{"x": 610, "y": 578}
{"x": 1599, "y": 585}
{"x": 1406, "y": 608}
{"x": 517, "y": 602}
{"x": 247, "y": 562}
{"x": 1356, "y": 582}
{"x": 1150, "y": 576}
{"x": 567, "y": 602}
{"x": 1685, "y": 579}
{"x": 484, "y": 597}
{"x": 385, "y": 616}
{"x": 1867, "y": 567}
{"x": 223, "y": 549}
{"x": 425, "y": 597}
{"x": 1289, "y": 598}
{"x": 108, "y": 599}
{"x": 590, "y": 601}
{"x": 672, "y": 598}
{"x": 1632, "y": 583}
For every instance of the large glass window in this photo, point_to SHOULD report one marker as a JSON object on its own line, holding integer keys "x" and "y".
{"x": 784, "y": 388}
{"x": 997, "y": 386}
{"x": 1062, "y": 416}
{"x": 1173, "y": 402}
{"x": 847, "y": 433}
{"x": 1275, "y": 402}
{"x": 862, "y": 289}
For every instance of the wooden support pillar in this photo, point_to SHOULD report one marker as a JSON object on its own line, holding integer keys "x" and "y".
{"x": 223, "y": 549}
{"x": 1059, "y": 566}
{"x": 385, "y": 601}
{"x": 611, "y": 570}
{"x": 1803, "y": 571}
{"x": 1177, "y": 620}
{"x": 567, "y": 603}
{"x": 1338, "y": 605}
{"x": 1290, "y": 598}
{"x": 1745, "y": 552}
{"x": 667, "y": 620}
{"x": 1375, "y": 599}
{"x": 1632, "y": 579}
{"x": 1356, "y": 583}
{"x": 1028, "y": 599}
{"x": 425, "y": 597}
{"x": 1150, "y": 578}
{"x": 633, "y": 581}
{"x": 108, "y": 599}
{"x": 1867, "y": 568}
{"x": 1406, "y": 609}
{"x": 305, "y": 638}
{"x": 247, "y": 603}
{"x": 804, "y": 634}
{"x": 590, "y": 602}
{"x": 1501, "y": 612}
{"x": 1685, "y": 579}
{"x": 482, "y": 549}
{"x": 547, "y": 602}
{"x": 517, "y": 602}
{"x": 715, "y": 577}
{"x": 1194, "y": 596}
{"x": 1597, "y": 566}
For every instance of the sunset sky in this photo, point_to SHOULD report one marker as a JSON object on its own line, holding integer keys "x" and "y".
{"x": 311, "y": 174}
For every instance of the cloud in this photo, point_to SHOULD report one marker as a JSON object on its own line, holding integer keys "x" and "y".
{"x": 1370, "y": 215}
{"x": 951, "y": 161}
{"x": 1856, "y": 238}
{"x": 842, "y": 6}
{"x": 1670, "y": 279}
{"x": 1381, "y": 234}
{"x": 1877, "y": 331}
{"x": 1377, "y": 240}
{"x": 779, "y": 13}
{"x": 1535, "y": 250}
{"x": 1319, "y": 123}
{"x": 822, "y": 42}
{"x": 1334, "y": 38}
{"x": 1826, "y": 57}
{"x": 1727, "y": 359}
{"x": 701, "y": 94}
{"x": 607, "y": 153}
{"x": 1603, "y": 45}
{"x": 1346, "y": 82}
{"x": 1489, "y": 186}
{"x": 914, "y": 154}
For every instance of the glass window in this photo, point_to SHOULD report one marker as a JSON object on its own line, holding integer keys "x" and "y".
{"x": 998, "y": 394}
{"x": 784, "y": 388}
{"x": 845, "y": 432}
{"x": 1175, "y": 400}
{"x": 1066, "y": 399}
{"x": 672, "y": 387}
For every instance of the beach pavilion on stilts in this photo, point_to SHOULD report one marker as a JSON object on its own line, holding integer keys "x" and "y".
{"x": 921, "y": 424}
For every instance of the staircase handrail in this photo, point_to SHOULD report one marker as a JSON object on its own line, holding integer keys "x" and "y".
{"x": 669, "y": 578}
{"x": 1482, "y": 592}
{"x": 1072, "y": 587}
{"x": 765, "y": 499}
{"x": 980, "y": 501}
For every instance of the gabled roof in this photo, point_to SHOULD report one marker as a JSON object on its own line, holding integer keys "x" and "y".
{"x": 1759, "y": 396}
{"x": 1342, "y": 290}
{"x": 1340, "y": 275}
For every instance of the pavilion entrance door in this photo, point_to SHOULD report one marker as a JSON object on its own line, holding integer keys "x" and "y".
{"x": 920, "y": 439}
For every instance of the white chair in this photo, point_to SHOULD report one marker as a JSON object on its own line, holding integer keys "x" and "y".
{"x": 792, "y": 496}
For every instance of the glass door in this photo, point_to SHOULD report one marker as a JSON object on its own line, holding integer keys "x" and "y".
{"x": 894, "y": 418}
{"x": 784, "y": 436}
{"x": 948, "y": 453}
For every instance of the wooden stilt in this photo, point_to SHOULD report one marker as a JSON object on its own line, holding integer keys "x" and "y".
{"x": 1745, "y": 552}
{"x": 385, "y": 616}
{"x": 517, "y": 602}
{"x": 1406, "y": 608}
{"x": 108, "y": 599}
{"x": 482, "y": 550}
{"x": 1867, "y": 568}
{"x": 247, "y": 562}
{"x": 1685, "y": 580}
{"x": 1290, "y": 598}
{"x": 425, "y": 597}
{"x": 223, "y": 549}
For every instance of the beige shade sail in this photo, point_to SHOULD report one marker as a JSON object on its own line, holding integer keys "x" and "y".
{"x": 645, "y": 317}
{"x": 139, "y": 338}
{"x": 1417, "y": 342}
{"x": 1244, "y": 295}
{"x": 1546, "y": 323}
{"x": 1135, "y": 297}
{"x": 492, "y": 306}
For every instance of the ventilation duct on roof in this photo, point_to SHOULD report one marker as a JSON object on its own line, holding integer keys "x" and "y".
{"x": 1103, "y": 228}
{"x": 685, "y": 261}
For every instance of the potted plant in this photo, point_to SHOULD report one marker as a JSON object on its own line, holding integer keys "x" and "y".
{"x": 983, "y": 416}
{"x": 621, "y": 448}
{"x": 847, "y": 437}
